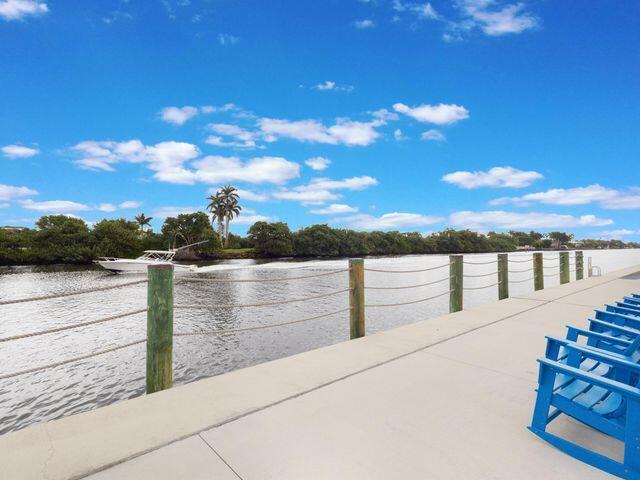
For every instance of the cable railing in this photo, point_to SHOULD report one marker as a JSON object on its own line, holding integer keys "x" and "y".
{"x": 160, "y": 305}
{"x": 70, "y": 294}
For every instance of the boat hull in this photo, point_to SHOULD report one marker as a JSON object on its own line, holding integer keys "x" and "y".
{"x": 134, "y": 266}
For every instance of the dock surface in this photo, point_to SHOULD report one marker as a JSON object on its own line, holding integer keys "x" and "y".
{"x": 446, "y": 398}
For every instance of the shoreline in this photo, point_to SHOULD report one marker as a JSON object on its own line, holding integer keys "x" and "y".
{"x": 243, "y": 256}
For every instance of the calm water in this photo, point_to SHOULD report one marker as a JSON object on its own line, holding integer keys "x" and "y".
{"x": 108, "y": 378}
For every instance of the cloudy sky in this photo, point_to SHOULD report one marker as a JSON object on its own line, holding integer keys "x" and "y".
{"x": 369, "y": 114}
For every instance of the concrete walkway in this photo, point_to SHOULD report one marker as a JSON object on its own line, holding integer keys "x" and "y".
{"x": 447, "y": 398}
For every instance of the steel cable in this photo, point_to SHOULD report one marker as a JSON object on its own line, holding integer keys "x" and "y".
{"x": 481, "y": 275}
{"x": 481, "y": 263}
{"x": 264, "y": 304}
{"x": 69, "y": 294}
{"x": 70, "y": 360}
{"x": 521, "y": 281}
{"x": 70, "y": 327}
{"x": 266, "y": 280}
{"x": 521, "y": 271}
{"x": 407, "y": 303}
{"x": 408, "y": 286}
{"x": 406, "y": 271}
{"x": 482, "y": 288}
{"x": 259, "y": 327}
{"x": 521, "y": 261}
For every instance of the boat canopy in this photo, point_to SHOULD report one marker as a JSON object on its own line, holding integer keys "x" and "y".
{"x": 165, "y": 255}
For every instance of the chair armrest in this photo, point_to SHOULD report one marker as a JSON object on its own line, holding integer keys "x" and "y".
{"x": 616, "y": 361}
{"x": 626, "y": 320}
{"x": 595, "y": 336}
{"x": 623, "y": 308}
{"x": 612, "y": 326}
{"x": 590, "y": 378}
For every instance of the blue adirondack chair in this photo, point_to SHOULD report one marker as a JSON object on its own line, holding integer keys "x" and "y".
{"x": 622, "y": 308}
{"x": 632, "y": 301}
{"x": 613, "y": 346}
{"x": 608, "y": 403}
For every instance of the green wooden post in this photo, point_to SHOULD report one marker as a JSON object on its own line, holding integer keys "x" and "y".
{"x": 356, "y": 298}
{"x": 579, "y": 265}
{"x": 565, "y": 275}
{"x": 456, "y": 272}
{"x": 159, "y": 327}
{"x": 538, "y": 272}
{"x": 503, "y": 276}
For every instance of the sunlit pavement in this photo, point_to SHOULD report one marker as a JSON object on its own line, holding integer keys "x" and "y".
{"x": 447, "y": 398}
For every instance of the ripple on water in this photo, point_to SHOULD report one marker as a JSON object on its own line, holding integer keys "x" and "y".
{"x": 117, "y": 376}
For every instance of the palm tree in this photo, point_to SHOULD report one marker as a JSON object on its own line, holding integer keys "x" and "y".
{"x": 229, "y": 198}
{"x": 232, "y": 209}
{"x": 218, "y": 212}
{"x": 143, "y": 221}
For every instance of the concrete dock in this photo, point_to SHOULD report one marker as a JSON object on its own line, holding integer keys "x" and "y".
{"x": 446, "y": 398}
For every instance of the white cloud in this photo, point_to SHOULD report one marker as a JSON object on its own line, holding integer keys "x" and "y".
{"x": 607, "y": 198}
{"x": 9, "y": 192}
{"x": 227, "y": 39}
{"x": 248, "y": 195}
{"x": 320, "y": 190}
{"x": 129, "y": 204}
{"x": 318, "y": 163}
{"x": 334, "y": 209}
{"x": 178, "y": 115}
{"x": 19, "y": 9}
{"x": 501, "y": 220}
{"x": 227, "y": 107}
{"x": 623, "y": 201}
{"x": 388, "y": 221}
{"x": 306, "y": 196}
{"x": 164, "y": 212}
{"x": 441, "y": 114}
{"x": 173, "y": 162}
{"x": 495, "y": 20}
{"x": 383, "y": 115}
{"x": 398, "y": 135}
{"x": 217, "y": 169}
{"x": 251, "y": 219}
{"x": 242, "y": 138}
{"x": 18, "y": 151}
{"x": 434, "y": 135}
{"x": 422, "y": 10}
{"x": 562, "y": 196}
{"x": 364, "y": 24}
{"x": 110, "y": 207}
{"x": 345, "y": 132}
{"x": 617, "y": 234}
{"x": 55, "y": 206}
{"x": 497, "y": 177}
{"x": 329, "y": 85}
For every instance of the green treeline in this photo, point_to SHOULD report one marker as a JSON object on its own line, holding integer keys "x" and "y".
{"x": 63, "y": 239}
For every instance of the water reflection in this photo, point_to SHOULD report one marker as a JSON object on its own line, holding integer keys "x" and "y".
{"x": 105, "y": 379}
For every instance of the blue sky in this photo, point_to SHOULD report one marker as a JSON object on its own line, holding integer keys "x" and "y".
{"x": 377, "y": 114}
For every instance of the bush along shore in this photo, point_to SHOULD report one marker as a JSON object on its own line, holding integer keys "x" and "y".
{"x": 62, "y": 239}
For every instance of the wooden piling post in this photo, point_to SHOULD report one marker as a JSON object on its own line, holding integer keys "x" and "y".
{"x": 356, "y": 298}
{"x": 456, "y": 272}
{"x": 503, "y": 276}
{"x": 579, "y": 265}
{"x": 538, "y": 272}
{"x": 589, "y": 265}
{"x": 565, "y": 275}
{"x": 159, "y": 327}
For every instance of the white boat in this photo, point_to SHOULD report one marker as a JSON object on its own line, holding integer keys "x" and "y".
{"x": 149, "y": 257}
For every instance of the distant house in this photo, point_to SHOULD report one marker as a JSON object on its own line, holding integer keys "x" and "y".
{"x": 525, "y": 248}
{"x": 9, "y": 228}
